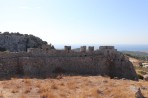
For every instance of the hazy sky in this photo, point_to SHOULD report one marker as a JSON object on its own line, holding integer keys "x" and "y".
{"x": 78, "y": 21}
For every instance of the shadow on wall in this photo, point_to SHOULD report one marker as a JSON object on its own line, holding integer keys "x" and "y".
{"x": 2, "y": 49}
{"x": 59, "y": 70}
{"x": 57, "y": 74}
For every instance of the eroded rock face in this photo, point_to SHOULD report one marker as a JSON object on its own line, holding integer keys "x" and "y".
{"x": 15, "y": 42}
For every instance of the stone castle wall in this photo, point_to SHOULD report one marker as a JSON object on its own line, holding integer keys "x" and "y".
{"x": 48, "y": 65}
{"x": 105, "y": 61}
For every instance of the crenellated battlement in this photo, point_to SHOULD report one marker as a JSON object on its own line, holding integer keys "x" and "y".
{"x": 67, "y": 48}
{"x": 84, "y": 49}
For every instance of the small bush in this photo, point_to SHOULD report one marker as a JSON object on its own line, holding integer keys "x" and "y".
{"x": 14, "y": 91}
{"x": 54, "y": 86}
{"x": 47, "y": 95}
{"x": 140, "y": 76}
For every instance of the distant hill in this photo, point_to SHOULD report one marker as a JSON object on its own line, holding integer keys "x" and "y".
{"x": 146, "y": 51}
{"x": 136, "y": 54}
{"x": 16, "y": 42}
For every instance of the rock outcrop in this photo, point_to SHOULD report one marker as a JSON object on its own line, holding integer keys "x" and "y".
{"x": 138, "y": 94}
{"x": 15, "y": 42}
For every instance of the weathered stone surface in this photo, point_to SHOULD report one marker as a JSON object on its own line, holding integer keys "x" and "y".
{"x": 35, "y": 62}
{"x": 16, "y": 42}
{"x": 91, "y": 48}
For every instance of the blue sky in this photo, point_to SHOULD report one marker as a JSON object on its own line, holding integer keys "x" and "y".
{"x": 106, "y": 22}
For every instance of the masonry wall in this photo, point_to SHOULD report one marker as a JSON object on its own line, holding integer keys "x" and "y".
{"x": 8, "y": 66}
{"x": 9, "y": 62}
{"x": 102, "y": 62}
{"x": 79, "y": 65}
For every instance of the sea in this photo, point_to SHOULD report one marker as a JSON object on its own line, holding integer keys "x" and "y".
{"x": 124, "y": 47}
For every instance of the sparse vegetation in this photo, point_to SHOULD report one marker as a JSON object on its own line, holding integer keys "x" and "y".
{"x": 48, "y": 95}
{"x": 137, "y": 55}
{"x": 137, "y": 58}
{"x": 27, "y": 90}
{"x": 54, "y": 86}
{"x": 141, "y": 71}
{"x": 73, "y": 87}
{"x": 15, "y": 91}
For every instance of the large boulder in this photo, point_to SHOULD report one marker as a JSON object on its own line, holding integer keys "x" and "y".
{"x": 138, "y": 94}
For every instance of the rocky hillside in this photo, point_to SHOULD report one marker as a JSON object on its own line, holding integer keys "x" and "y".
{"x": 16, "y": 42}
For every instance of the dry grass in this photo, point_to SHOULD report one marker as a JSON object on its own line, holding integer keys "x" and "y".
{"x": 28, "y": 82}
{"x": 47, "y": 95}
{"x": 43, "y": 89}
{"x": 134, "y": 61}
{"x": 38, "y": 84}
{"x": 23, "y": 96}
{"x": 1, "y": 96}
{"x": 15, "y": 91}
{"x": 27, "y": 90}
{"x": 72, "y": 87}
{"x": 54, "y": 86}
